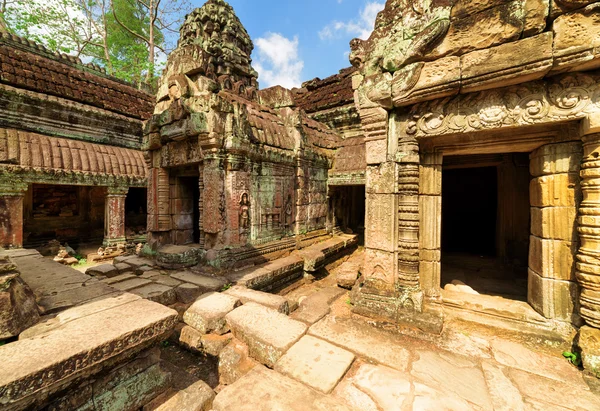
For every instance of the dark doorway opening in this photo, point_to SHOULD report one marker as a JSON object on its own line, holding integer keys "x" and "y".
{"x": 469, "y": 208}
{"x": 348, "y": 210}
{"x": 486, "y": 225}
{"x": 189, "y": 191}
{"x": 136, "y": 215}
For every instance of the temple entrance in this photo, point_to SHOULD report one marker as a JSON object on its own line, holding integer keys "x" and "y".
{"x": 136, "y": 215}
{"x": 486, "y": 225}
{"x": 348, "y": 209}
{"x": 189, "y": 220}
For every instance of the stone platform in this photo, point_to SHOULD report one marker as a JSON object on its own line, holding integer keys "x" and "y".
{"x": 76, "y": 344}
{"x": 276, "y": 274}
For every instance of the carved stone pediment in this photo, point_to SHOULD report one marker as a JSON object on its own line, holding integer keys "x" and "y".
{"x": 405, "y": 31}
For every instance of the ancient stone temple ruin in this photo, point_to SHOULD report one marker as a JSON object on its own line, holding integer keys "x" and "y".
{"x": 239, "y": 171}
{"x": 70, "y": 141}
{"x": 419, "y": 231}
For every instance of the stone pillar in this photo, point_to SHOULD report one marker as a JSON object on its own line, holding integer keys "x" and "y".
{"x": 588, "y": 257}
{"x": 114, "y": 215}
{"x": 430, "y": 204}
{"x": 11, "y": 213}
{"x": 554, "y": 195}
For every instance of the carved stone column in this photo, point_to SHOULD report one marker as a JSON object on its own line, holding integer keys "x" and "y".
{"x": 11, "y": 213}
{"x": 430, "y": 203}
{"x": 588, "y": 265}
{"x": 114, "y": 215}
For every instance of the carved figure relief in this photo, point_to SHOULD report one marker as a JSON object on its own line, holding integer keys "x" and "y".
{"x": 244, "y": 214}
{"x": 287, "y": 210}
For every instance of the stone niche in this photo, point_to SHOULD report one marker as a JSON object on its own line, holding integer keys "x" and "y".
{"x": 238, "y": 171}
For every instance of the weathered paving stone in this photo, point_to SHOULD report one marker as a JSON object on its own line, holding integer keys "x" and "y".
{"x": 375, "y": 387}
{"x": 210, "y": 344}
{"x": 156, "y": 292}
{"x": 119, "y": 278}
{"x": 165, "y": 280}
{"x": 123, "y": 267}
{"x": 266, "y": 390}
{"x": 440, "y": 370}
{"x": 106, "y": 270}
{"x": 553, "y": 393}
{"x": 137, "y": 262}
{"x": 364, "y": 340}
{"x": 316, "y": 363}
{"x": 35, "y": 368}
{"x": 268, "y": 333}
{"x": 143, "y": 269}
{"x": 504, "y": 394}
{"x": 273, "y": 301}
{"x": 208, "y": 313}
{"x": 311, "y": 312}
{"x": 234, "y": 362}
{"x": 316, "y": 306}
{"x": 197, "y": 396}
{"x": 517, "y": 356}
{"x": 130, "y": 284}
{"x": 79, "y": 312}
{"x": 187, "y": 293}
{"x": 186, "y": 394}
{"x": 205, "y": 283}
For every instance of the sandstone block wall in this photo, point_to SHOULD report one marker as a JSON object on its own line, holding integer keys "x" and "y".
{"x": 555, "y": 195}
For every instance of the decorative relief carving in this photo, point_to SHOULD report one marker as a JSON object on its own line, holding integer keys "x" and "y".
{"x": 572, "y": 96}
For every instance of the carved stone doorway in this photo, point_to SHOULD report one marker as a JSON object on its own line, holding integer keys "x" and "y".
{"x": 486, "y": 224}
{"x": 347, "y": 205}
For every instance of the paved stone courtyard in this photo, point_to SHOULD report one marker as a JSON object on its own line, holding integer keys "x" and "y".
{"x": 304, "y": 349}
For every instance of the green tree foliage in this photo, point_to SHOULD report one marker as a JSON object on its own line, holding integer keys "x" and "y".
{"x": 128, "y": 37}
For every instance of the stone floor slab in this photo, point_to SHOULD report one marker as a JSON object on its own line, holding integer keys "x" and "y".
{"x": 156, "y": 292}
{"x": 316, "y": 363}
{"x": 266, "y": 390}
{"x": 453, "y": 373}
{"x": 106, "y": 270}
{"x": 554, "y": 393}
{"x": 518, "y": 356}
{"x": 130, "y": 284}
{"x": 205, "y": 283}
{"x": 505, "y": 396}
{"x": 273, "y": 301}
{"x": 268, "y": 333}
{"x": 34, "y": 368}
{"x": 364, "y": 340}
{"x": 388, "y": 389}
{"x": 208, "y": 313}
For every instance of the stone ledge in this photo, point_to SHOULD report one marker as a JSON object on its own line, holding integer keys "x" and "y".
{"x": 35, "y": 368}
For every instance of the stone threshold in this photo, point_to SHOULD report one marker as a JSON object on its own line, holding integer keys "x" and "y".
{"x": 503, "y": 313}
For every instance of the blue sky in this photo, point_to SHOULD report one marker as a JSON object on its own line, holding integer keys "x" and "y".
{"x": 298, "y": 40}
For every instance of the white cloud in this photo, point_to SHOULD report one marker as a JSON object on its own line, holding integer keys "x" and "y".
{"x": 360, "y": 27}
{"x": 278, "y": 61}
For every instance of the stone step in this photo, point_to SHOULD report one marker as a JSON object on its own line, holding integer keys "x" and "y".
{"x": 130, "y": 284}
{"x": 205, "y": 283}
{"x": 276, "y": 302}
{"x": 268, "y": 333}
{"x": 158, "y": 293}
{"x": 208, "y": 313}
{"x": 320, "y": 254}
{"x": 269, "y": 276}
{"x": 106, "y": 270}
{"x": 33, "y": 369}
{"x": 265, "y": 390}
